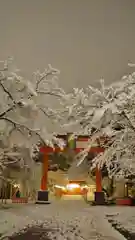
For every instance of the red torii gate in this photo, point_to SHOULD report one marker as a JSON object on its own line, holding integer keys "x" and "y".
{"x": 43, "y": 193}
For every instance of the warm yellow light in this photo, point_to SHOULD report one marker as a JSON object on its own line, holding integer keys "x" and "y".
{"x": 72, "y": 186}
{"x": 61, "y": 187}
{"x": 16, "y": 185}
{"x": 85, "y": 186}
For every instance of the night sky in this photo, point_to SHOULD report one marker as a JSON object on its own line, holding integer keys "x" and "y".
{"x": 85, "y": 39}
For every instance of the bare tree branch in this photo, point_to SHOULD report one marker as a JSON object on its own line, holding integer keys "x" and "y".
{"x": 50, "y": 93}
{"x": 43, "y": 77}
{"x": 25, "y": 128}
{"x": 7, "y": 111}
{"x": 7, "y": 92}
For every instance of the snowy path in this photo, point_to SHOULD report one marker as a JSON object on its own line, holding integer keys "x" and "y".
{"x": 68, "y": 220}
{"x": 123, "y": 216}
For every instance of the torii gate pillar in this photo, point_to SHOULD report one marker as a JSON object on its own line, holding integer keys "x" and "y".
{"x": 99, "y": 194}
{"x": 43, "y": 193}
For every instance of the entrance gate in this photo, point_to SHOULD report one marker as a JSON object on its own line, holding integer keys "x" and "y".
{"x": 78, "y": 146}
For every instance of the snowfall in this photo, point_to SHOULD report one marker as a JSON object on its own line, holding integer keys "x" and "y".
{"x": 67, "y": 220}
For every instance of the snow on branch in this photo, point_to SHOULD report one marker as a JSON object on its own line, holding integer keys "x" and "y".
{"x": 24, "y": 106}
{"x": 10, "y": 157}
{"x": 26, "y": 98}
{"x": 110, "y": 110}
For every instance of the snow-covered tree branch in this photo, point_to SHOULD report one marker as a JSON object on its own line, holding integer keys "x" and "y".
{"x": 109, "y": 112}
{"x": 25, "y": 100}
{"x": 24, "y": 107}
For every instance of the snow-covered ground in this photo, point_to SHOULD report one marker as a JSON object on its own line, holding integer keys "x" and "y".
{"x": 68, "y": 220}
{"x": 123, "y": 216}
